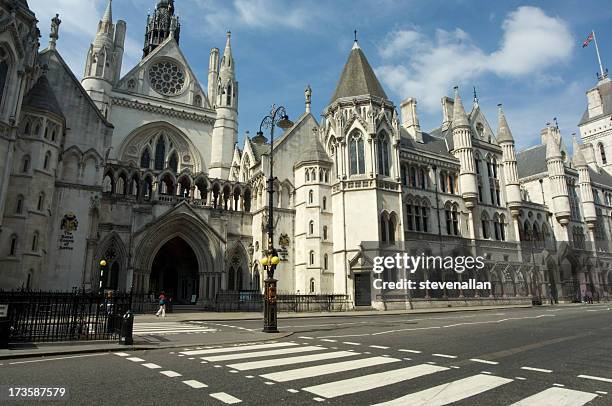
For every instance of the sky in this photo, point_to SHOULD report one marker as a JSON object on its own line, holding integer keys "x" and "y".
{"x": 527, "y": 56}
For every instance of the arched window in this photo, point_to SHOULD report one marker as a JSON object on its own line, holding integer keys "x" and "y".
{"x": 19, "y": 205}
{"x": 383, "y": 229}
{"x": 443, "y": 182}
{"x": 452, "y": 219}
{"x": 108, "y": 184}
{"x": 228, "y": 95}
{"x": 356, "y": 154}
{"x": 29, "y": 280}
{"x": 148, "y": 188}
{"x": 4, "y": 69}
{"x": 145, "y": 159}
{"x": 602, "y": 152}
{"x": 25, "y": 164}
{"x": 160, "y": 153}
{"x": 324, "y": 203}
{"x": 197, "y": 101}
{"x": 312, "y": 257}
{"x": 310, "y": 196}
{"x": 312, "y": 285}
{"x": 307, "y": 175}
{"x": 53, "y": 135}
{"x": 422, "y": 178}
{"x": 383, "y": 154}
{"x": 173, "y": 163}
{"x": 477, "y": 163}
{"x": 13, "y": 246}
{"x": 413, "y": 178}
{"x": 486, "y": 234}
{"x": 41, "y": 201}
{"x": 404, "y": 176}
{"x": 311, "y": 227}
{"x": 392, "y": 224}
{"x": 47, "y": 159}
{"x": 325, "y": 232}
{"x": 325, "y": 262}
{"x": 35, "y": 242}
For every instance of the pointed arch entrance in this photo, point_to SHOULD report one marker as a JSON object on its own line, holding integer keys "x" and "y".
{"x": 175, "y": 271}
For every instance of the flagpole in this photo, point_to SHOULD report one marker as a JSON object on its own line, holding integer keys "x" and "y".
{"x": 598, "y": 57}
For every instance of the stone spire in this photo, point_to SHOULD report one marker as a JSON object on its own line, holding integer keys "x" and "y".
{"x": 227, "y": 61}
{"x": 558, "y": 181}
{"x": 552, "y": 148}
{"x": 503, "y": 131}
{"x": 459, "y": 116}
{"x": 578, "y": 160}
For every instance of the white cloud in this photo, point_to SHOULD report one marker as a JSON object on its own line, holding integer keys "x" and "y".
{"x": 532, "y": 42}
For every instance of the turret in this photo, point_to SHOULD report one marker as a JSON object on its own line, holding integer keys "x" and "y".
{"x": 225, "y": 130}
{"x": 410, "y": 119}
{"x": 506, "y": 142}
{"x": 161, "y": 25}
{"x": 556, "y": 174}
{"x": 463, "y": 151}
{"x": 586, "y": 190}
{"x": 213, "y": 76}
{"x": 104, "y": 60}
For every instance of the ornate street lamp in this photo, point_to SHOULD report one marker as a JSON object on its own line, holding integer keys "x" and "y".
{"x": 277, "y": 117}
{"x": 103, "y": 269}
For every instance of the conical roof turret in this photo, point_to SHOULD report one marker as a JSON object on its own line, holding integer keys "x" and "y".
{"x": 459, "y": 116}
{"x": 503, "y": 131}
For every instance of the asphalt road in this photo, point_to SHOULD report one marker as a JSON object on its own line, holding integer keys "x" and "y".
{"x": 541, "y": 356}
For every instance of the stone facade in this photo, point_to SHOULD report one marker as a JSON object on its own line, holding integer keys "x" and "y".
{"x": 144, "y": 170}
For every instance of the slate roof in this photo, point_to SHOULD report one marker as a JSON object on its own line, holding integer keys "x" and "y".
{"x": 42, "y": 97}
{"x": 358, "y": 78}
{"x": 605, "y": 89}
{"x": 531, "y": 161}
{"x": 602, "y": 177}
{"x": 314, "y": 152}
{"x": 432, "y": 143}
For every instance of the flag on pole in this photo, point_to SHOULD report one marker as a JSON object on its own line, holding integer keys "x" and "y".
{"x": 588, "y": 40}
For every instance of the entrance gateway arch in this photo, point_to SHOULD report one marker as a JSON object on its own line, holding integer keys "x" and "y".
{"x": 181, "y": 255}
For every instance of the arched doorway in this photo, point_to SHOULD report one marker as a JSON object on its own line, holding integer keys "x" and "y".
{"x": 175, "y": 271}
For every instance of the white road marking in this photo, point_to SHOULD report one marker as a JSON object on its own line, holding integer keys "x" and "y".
{"x": 484, "y": 361}
{"x": 546, "y": 371}
{"x": 135, "y": 359}
{"x": 595, "y": 378}
{"x": 238, "y": 348}
{"x": 372, "y": 381}
{"x": 247, "y": 366}
{"x": 195, "y": 384}
{"x": 259, "y": 354}
{"x": 249, "y": 376}
{"x": 170, "y": 374}
{"x": 350, "y": 343}
{"x": 486, "y": 372}
{"x": 318, "y": 370}
{"x": 412, "y": 351}
{"x": 269, "y": 383}
{"x": 381, "y": 347}
{"x": 560, "y": 385}
{"x": 122, "y": 354}
{"x": 329, "y": 340}
{"x": 520, "y": 378}
{"x": 450, "y": 392}
{"x": 444, "y": 356}
{"x": 407, "y": 359}
{"x": 306, "y": 338}
{"x": 151, "y": 366}
{"x": 55, "y": 359}
{"x": 601, "y": 392}
{"x": 319, "y": 399}
{"x": 225, "y": 398}
{"x": 557, "y": 397}
{"x": 292, "y": 390}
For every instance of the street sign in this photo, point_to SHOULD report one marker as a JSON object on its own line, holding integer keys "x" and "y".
{"x": 3, "y": 310}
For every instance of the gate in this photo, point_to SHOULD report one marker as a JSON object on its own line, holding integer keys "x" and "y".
{"x": 363, "y": 289}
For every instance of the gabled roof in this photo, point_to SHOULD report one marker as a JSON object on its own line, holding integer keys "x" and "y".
{"x": 531, "y": 161}
{"x": 358, "y": 78}
{"x": 42, "y": 97}
{"x": 314, "y": 152}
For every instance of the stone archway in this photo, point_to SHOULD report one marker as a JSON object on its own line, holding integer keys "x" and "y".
{"x": 204, "y": 243}
{"x": 175, "y": 272}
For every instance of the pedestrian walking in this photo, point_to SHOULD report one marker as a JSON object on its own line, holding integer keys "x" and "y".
{"x": 589, "y": 297}
{"x": 162, "y": 305}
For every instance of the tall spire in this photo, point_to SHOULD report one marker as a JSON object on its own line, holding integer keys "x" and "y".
{"x": 108, "y": 13}
{"x": 459, "y": 117}
{"x": 503, "y": 132}
{"x": 163, "y": 23}
{"x": 227, "y": 61}
{"x": 105, "y": 26}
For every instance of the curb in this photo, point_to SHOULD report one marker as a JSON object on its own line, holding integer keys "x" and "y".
{"x": 136, "y": 347}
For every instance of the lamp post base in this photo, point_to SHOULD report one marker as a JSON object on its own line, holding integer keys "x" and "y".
{"x": 270, "y": 309}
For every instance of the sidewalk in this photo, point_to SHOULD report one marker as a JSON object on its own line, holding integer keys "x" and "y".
{"x": 237, "y": 316}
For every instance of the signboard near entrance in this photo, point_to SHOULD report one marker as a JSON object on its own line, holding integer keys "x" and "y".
{"x": 194, "y": 298}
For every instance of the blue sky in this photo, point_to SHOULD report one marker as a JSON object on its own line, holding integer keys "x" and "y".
{"x": 527, "y": 56}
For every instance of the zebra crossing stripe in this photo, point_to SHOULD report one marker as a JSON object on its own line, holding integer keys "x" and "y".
{"x": 318, "y": 370}
{"x": 225, "y": 398}
{"x": 259, "y": 354}
{"x": 372, "y": 381}
{"x": 238, "y": 348}
{"x": 450, "y": 392}
{"x": 557, "y": 397}
{"x": 165, "y": 331}
{"x": 246, "y": 366}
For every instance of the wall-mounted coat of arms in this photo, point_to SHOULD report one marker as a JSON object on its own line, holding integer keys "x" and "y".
{"x": 69, "y": 223}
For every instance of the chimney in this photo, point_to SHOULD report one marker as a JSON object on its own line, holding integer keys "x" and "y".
{"x": 410, "y": 119}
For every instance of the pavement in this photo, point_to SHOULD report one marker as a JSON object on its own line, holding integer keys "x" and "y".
{"x": 537, "y": 356}
{"x": 180, "y": 329}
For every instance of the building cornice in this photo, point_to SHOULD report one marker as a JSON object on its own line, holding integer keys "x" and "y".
{"x": 160, "y": 110}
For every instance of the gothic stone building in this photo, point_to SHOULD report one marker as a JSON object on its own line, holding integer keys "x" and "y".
{"x": 144, "y": 170}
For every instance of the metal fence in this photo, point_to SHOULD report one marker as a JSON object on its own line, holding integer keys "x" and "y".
{"x": 252, "y": 301}
{"x": 148, "y": 303}
{"x": 37, "y": 316}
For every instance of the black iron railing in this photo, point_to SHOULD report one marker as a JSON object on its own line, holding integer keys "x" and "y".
{"x": 37, "y": 316}
{"x": 252, "y": 301}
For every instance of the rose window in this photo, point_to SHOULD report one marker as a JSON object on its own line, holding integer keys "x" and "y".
{"x": 167, "y": 78}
